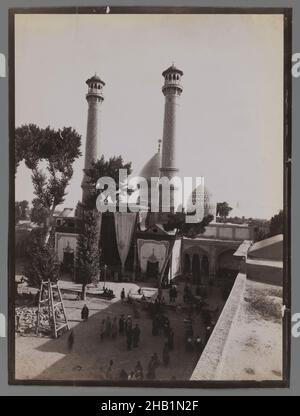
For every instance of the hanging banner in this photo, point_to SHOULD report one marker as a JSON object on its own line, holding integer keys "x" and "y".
{"x": 124, "y": 224}
{"x": 142, "y": 220}
{"x": 176, "y": 259}
{"x": 152, "y": 251}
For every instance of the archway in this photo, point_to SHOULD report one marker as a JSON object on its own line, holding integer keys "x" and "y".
{"x": 196, "y": 270}
{"x": 187, "y": 264}
{"x": 152, "y": 269}
{"x": 204, "y": 266}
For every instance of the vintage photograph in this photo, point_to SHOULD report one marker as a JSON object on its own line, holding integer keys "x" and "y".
{"x": 149, "y": 241}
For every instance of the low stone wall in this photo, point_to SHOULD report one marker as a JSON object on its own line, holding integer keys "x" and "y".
{"x": 262, "y": 271}
{"x": 207, "y": 365}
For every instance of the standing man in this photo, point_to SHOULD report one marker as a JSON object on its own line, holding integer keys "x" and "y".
{"x": 128, "y": 324}
{"x": 114, "y": 328}
{"x": 208, "y": 331}
{"x": 129, "y": 335}
{"x": 136, "y": 336}
{"x": 71, "y": 341}
{"x": 122, "y": 325}
{"x": 85, "y": 313}
{"x": 171, "y": 339}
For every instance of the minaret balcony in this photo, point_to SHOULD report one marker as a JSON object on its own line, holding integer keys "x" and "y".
{"x": 95, "y": 93}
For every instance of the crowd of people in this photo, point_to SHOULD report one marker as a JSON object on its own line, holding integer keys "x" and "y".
{"x": 111, "y": 328}
{"x": 138, "y": 372}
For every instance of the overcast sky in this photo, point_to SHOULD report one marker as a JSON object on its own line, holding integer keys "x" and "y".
{"x": 231, "y": 116}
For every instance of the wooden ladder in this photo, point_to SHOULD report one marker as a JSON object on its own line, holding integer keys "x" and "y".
{"x": 50, "y": 299}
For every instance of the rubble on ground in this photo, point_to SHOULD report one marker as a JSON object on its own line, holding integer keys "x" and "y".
{"x": 26, "y": 319}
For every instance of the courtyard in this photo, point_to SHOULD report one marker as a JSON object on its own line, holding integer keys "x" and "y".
{"x": 89, "y": 358}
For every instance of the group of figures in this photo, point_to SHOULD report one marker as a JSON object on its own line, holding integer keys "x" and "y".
{"x": 124, "y": 326}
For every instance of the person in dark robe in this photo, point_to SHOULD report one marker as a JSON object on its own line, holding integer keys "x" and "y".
{"x": 123, "y": 375}
{"x": 128, "y": 324}
{"x": 166, "y": 327}
{"x": 122, "y": 325}
{"x": 122, "y": 295}
{"x": 208, "y": 331}
{"x": 129, "y": 336}
{"x": 189, "y": 344}
{"x": 151, "y": 369}
{"x": 85, "y": 313}
{"x": 114, "y": 328}
{"x": 198, "y": 344}
{"x": 171, "y": 339}
{"x": 156, "y": 361}
{"x": 171, "y": 294}
{"x": 139, "y": 367}
{"x": 161, "y": 322}
{"x": 138, "y": 375}
{"x": 136, "y": 335}
{"x": 71, "y": 341}
{"x": 175, "y": 293}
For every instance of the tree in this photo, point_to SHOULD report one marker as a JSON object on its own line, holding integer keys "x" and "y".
{"x": 276, "y": 224}
{"x": 87, "y": 252}
{"x": 57, "y": 150}
{"x": 42, "y": 264}
{"x": 223, "y": 210}
{"x": 177, "y": 221}
{"x": 102, "y": 168}
{"x": 21, "y": 210}
{"x": 39, "y": 214}
{"x": 184, "y": 229}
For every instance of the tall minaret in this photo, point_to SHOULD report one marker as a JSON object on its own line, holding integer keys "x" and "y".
{"x": 172, "y": 90}
{"x": 94, "y": 98}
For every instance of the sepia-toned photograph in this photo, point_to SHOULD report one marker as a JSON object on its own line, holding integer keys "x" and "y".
{"x": 149, "y": 241}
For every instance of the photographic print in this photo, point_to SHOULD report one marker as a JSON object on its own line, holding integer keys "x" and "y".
{"x": 149, "y": 197}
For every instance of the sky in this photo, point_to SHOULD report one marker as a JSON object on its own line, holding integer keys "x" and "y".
{"x": 230, "y": 127}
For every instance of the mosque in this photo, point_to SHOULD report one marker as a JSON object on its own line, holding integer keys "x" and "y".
{"x": 134, "y": 248}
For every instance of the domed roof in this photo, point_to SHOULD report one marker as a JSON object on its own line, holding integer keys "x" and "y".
{"x": 209, "y": 204}
{"x": 151, "y": 168}
{"x": 95, "y": 78}
{"x": 172, "y": 68}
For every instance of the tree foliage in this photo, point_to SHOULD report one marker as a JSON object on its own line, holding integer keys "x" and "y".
{"x": 42, "y": 264}
{"x": 50, "y": 155}
{"x": 184, "y": 229}
{"x": 87, "y": 252}
{"x": 102, "y": 168}
{"x": 223, "y": 209}
{"x": 277, "y": 224}
{"x": 21, "y": 210}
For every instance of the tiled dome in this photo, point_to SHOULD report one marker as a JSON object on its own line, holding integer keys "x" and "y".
{"x": 151, "y": 168}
